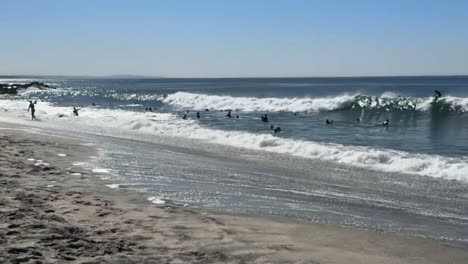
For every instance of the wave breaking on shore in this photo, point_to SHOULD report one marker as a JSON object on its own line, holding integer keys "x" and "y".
{"x": 163, "y": 124}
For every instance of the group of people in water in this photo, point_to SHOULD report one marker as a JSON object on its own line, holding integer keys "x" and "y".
{"x": 264, "y": 118}
{"x": 32, "y": 109}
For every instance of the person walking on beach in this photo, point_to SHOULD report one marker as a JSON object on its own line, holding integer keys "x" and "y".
{"x": 33, "y": 110}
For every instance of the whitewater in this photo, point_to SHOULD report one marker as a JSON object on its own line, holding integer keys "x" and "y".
{"x": 387, "y": 101}
{"x": 130, "y": 124}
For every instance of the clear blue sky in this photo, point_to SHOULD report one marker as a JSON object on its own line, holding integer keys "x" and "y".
{"x": 222, "y": 38}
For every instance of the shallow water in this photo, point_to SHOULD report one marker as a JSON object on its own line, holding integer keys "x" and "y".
{"x": 254, "y": 182}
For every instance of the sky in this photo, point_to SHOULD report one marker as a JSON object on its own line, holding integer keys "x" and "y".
{"x": 224, "y": 38}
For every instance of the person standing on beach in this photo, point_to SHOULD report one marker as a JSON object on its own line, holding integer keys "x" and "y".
{"x": 33, "y": 110}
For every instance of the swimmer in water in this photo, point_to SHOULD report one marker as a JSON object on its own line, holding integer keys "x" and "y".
{"x": 75, "y": 111}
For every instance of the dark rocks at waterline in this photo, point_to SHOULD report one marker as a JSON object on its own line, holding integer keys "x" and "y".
{"x": 6, "y": 88}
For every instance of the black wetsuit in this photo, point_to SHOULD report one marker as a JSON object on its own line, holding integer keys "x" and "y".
{"x": 33, "y": 110}
{"x": 437, "y": 95}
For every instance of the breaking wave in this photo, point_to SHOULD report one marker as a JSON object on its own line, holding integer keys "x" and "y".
{"x": 385, "y": 102}
{"x": 129, "y": 122}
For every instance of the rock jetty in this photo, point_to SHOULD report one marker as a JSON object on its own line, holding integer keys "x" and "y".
{"x": 9, "y": 88}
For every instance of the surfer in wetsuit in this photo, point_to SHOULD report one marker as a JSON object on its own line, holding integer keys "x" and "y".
{"x": 184, "y": 117}
{"x": 229, "y": 114}
{"x": 328, "y": 122}
{"x": 198, "y": 114}
{"x": 75, "y": 111}
{"x": 385, "y": 123}
{"x": 33, "y": 110}
{"x": 265, "y": 118}
{"x": 437, "y": 95}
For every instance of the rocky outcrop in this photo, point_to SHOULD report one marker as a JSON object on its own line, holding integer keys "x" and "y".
{"x": 8, "y": 88}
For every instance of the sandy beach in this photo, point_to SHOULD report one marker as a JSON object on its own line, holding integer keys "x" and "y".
{"x": 52, "y": 211}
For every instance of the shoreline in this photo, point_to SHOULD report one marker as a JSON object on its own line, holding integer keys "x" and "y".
{"x": 80, "y": 220}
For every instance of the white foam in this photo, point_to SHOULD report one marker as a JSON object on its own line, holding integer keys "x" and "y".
{"x": 344, "y": 101}
{"x": 156, "y": 200}
{"x": 251, "y": 104}
{"x": 98, "y": 170}
{"x": 124, "y": 123}
{"x": 75, "y": 174}
{"x": 61, "y": 155}
{"x": 113, "y": 186}
{"x": 31, "y": 159}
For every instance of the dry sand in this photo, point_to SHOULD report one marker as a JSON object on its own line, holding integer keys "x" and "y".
{"x": 51, "y": 214}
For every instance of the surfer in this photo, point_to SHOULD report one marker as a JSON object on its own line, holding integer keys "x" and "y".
{"x": 358, "y": 120}
{"x": 265, "y": 118}
{"x": 277, "y": 129}
{"x": 184, "y": 117}
{"x": 437, "y": 95}
{"x": 33, "y": 109}
{"x": 75, "y": 111}
{"x": 385, "y": 123}
{"x": 272, "y": 127}
{"x": 229, "y": 114}
{"x": 198, "y": 114}
{"x": 328, "y": 122}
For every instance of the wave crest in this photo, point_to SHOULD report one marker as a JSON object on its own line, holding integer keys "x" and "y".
{"x": 386, "y": 102}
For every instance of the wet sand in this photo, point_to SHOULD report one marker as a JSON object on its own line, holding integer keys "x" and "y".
{"x": 54, "y": 212}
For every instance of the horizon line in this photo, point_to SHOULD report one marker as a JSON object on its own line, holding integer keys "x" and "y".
{"x": 131, "y": 76}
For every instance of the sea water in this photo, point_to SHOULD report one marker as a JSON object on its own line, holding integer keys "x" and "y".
{"x": 410, "y": 176}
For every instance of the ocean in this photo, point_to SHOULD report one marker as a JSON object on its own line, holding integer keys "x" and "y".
{"x": 408, "y": 177}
